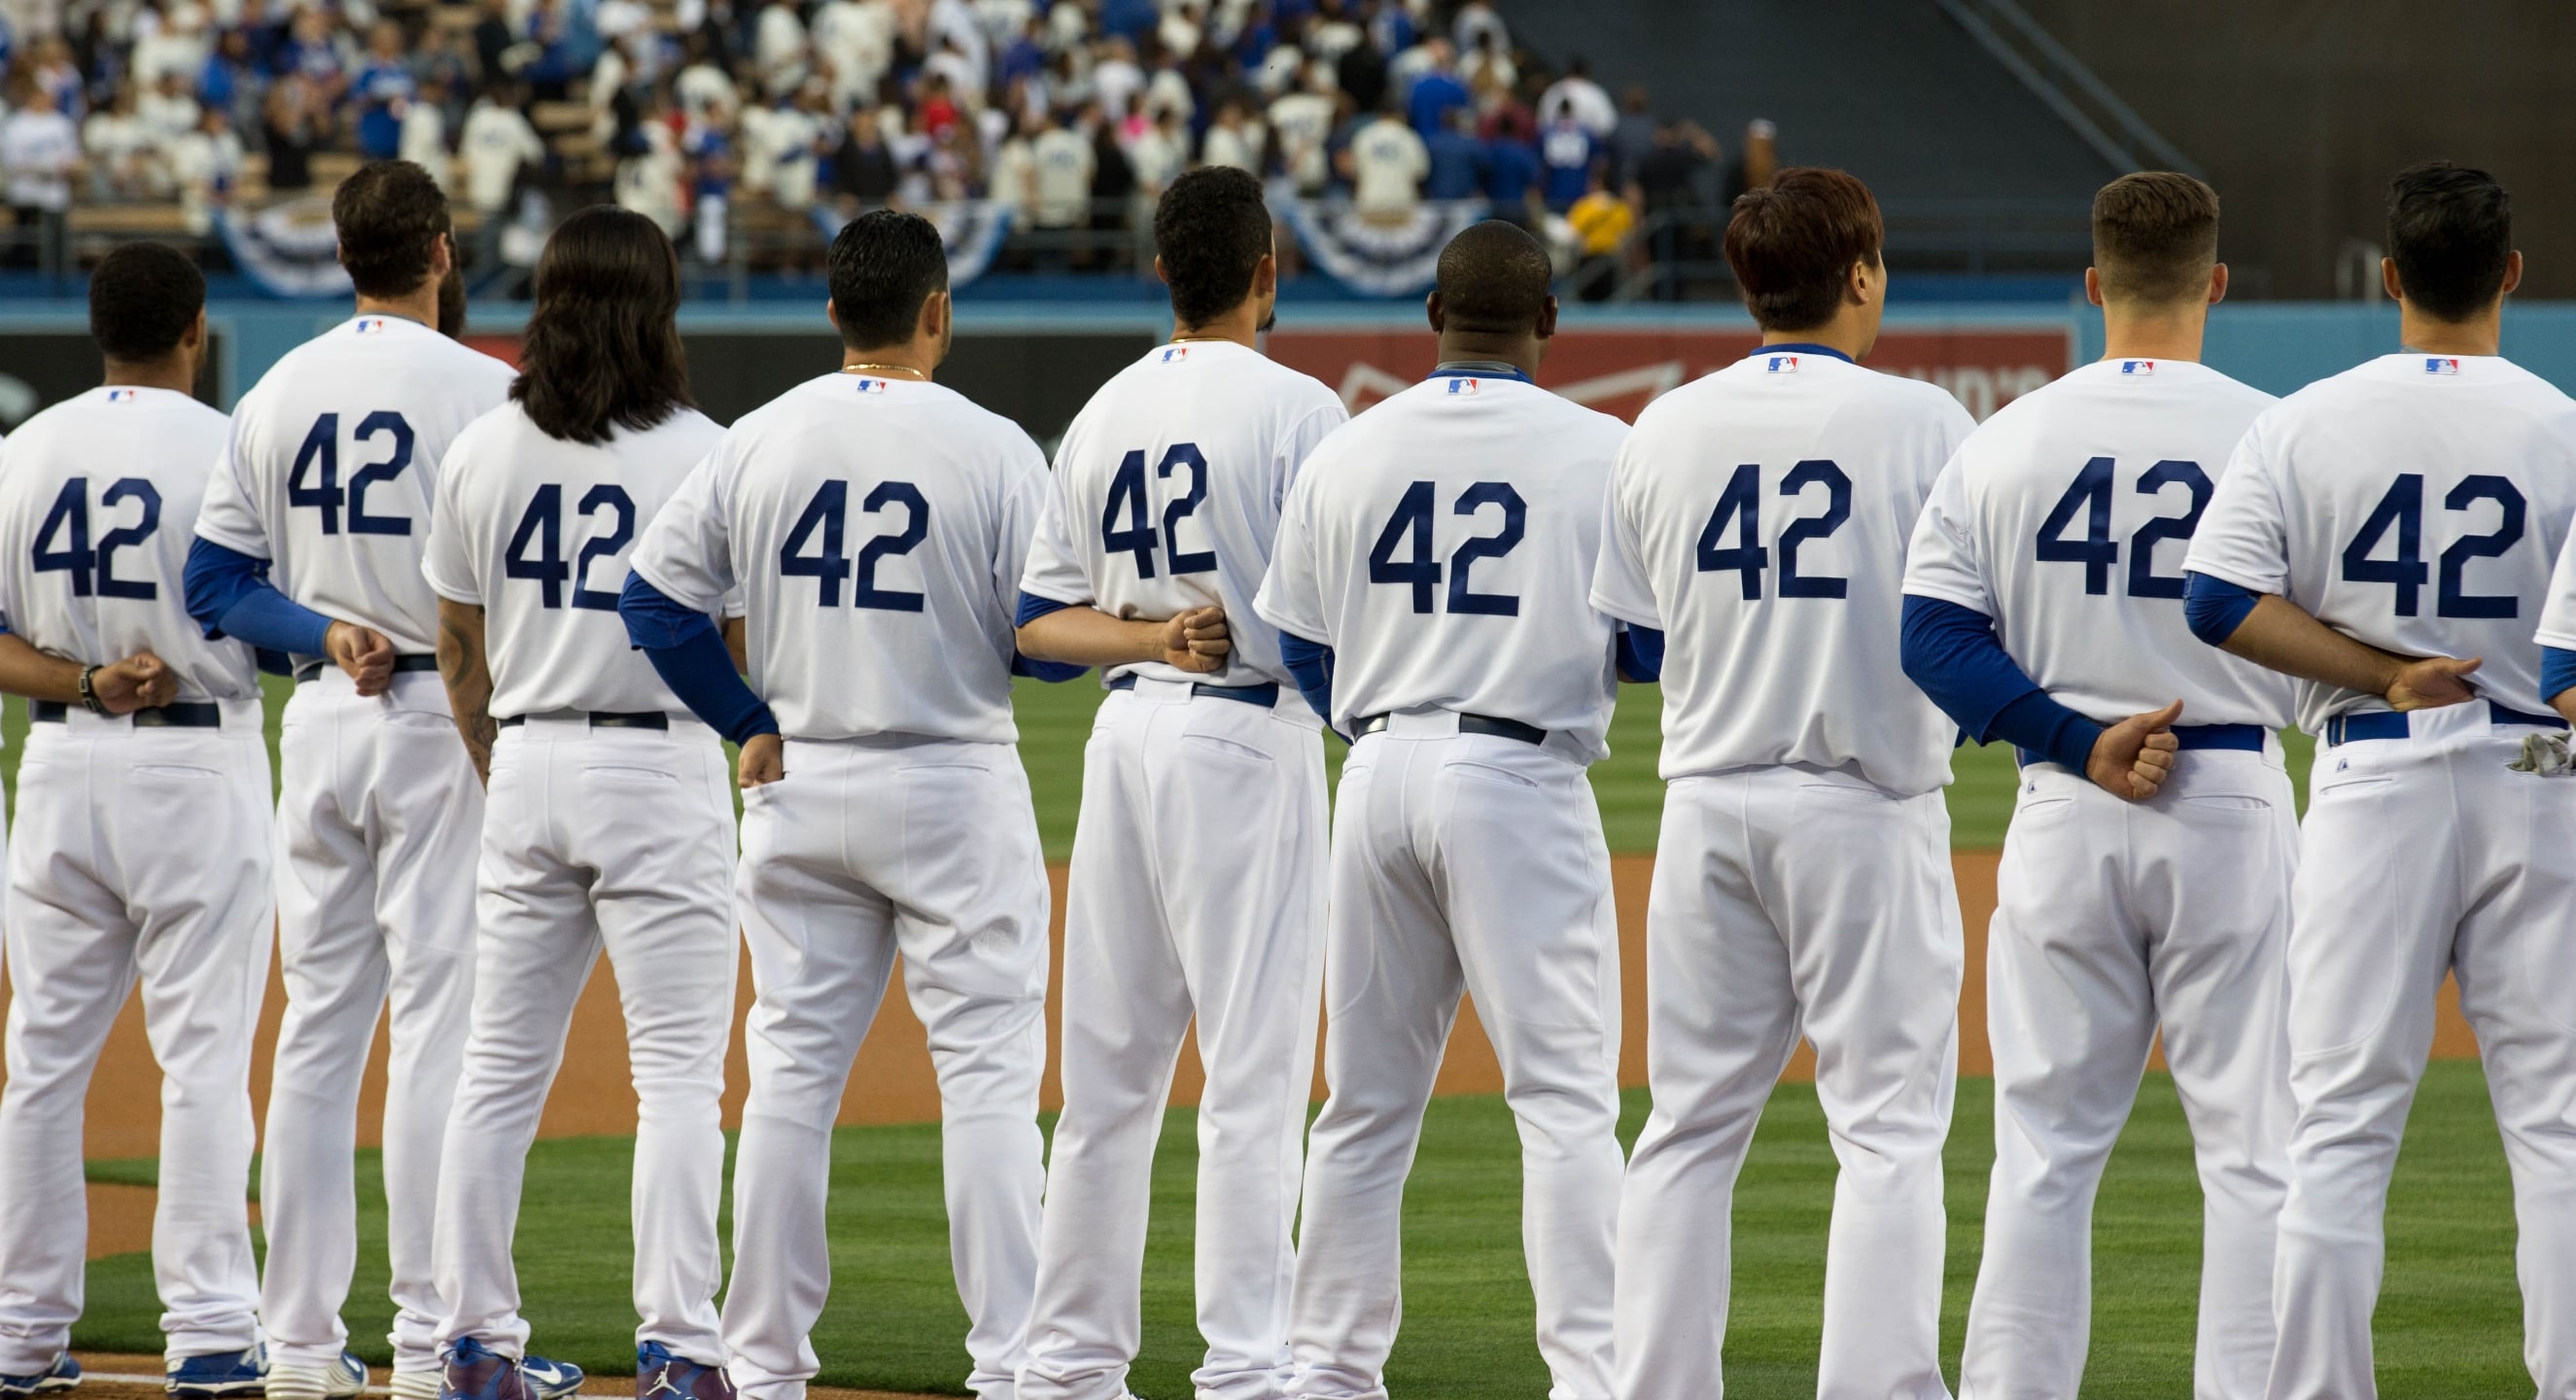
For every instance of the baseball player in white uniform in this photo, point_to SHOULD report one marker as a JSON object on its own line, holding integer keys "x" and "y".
{"x": 2557, "y": 636}
{"x": 310, "y": 543}
{"x": 97, "y": 497}
{"x": 2387, "y": 537}
{"x": 876, "y": 524}
{"x": 609, "y": 821}
{"x": 2146, "y": 880}
{"x": 1442, "y": 547}
{"x": 1802, "y": 879}
{"x": 1203, "y": 758}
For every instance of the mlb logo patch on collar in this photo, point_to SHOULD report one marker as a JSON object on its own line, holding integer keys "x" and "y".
{"x": 2137, "y": 367}
{"x": 1461, "y": 384}
{"x": 1175, "y": 354}
{"x": 369, "y": 325}
{"x": 120, "y": 396}
{"x": 872, "y": 386}
{"x": 1779, "y": 364}
{"x": 2441, "y": 364}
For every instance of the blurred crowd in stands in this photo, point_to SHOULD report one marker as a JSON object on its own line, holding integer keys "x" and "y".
{"x": 717, "y": 115}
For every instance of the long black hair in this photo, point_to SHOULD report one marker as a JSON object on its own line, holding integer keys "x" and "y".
{"x": 602, "y": 350}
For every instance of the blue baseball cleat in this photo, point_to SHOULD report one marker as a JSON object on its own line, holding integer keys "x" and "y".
{"x": 662, "y": 1374}
{"x": 549, "y": 1380}
{"x": 60, "y": 1376}
{"x": 213, "y": 1375}
{"x": 473, "y": 1371}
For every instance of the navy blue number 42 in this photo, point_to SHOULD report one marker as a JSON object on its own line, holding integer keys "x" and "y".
{"x": 2090, "y": 494}
{"x": 1410, "y": 529}
{"x": 2401, "y": 513}
{"x": 1739, "y": 511}
{"x": 314, "y": 480}
{"x": 1136, "y": 534}
{"x": 63, "y": 544}
{"x": 823, "y": 528}
{"x": 541, "y": 531}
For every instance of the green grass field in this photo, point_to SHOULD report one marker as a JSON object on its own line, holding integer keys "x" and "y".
{"x": 2447, "y": 1324}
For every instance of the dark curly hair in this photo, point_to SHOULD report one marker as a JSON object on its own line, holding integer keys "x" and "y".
{"x": 2450, "y": 232}
{"x": 142, "y": 299}
{"x": 1211, "y": 232}
{"x": 389, "y": 216}
{"x": 602, "y": 350}
{"x": 884, "y": 265}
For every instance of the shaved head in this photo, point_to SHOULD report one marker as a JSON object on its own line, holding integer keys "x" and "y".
{"x": 1494, "y": 280}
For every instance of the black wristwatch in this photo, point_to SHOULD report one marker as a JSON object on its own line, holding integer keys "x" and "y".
{"x": 89, "y": 690}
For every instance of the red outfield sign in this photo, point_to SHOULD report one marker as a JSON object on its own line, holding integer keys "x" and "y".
{"x": 1621, "y": 371}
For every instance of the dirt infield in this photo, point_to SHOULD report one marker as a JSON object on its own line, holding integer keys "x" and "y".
{"x": 892, "y": 1082}
{"x": 114, "y": 1377}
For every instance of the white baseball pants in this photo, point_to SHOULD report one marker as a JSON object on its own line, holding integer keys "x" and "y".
{"x": 1463, "y": 863}
{"x": 1791, "y": 900}
{"x": 617, "y": 839}
{"x": 1197, "y": 888}
{"x": 102, "y": 896}
{"x": 378, "y": 820}
{"x": 2115, "y": 918}
{"x": 867, "y": 849}
{"x": 2422, "y": 856}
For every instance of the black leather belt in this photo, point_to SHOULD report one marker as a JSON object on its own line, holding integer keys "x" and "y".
{"x": 192, "y": 714}
{"x": 600, "y": 719}
{"x": 307, "y": 670}
{"x": 1494, "y": 726}
{"x": 2390, "y": 724}
{"x": 1264, "y": 695}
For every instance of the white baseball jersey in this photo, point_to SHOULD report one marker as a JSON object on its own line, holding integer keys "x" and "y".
{"x": 876, "y": 529}
{"x": 333, "y": 464}
{"x": 1443, "y": 544}
{"x": 1760, "y": 516}
{"x": 535, "y": 531}
{"x": 2558, "y": 615}
{"x": 97, "y": 497}
{"x": 2415, "y": 503}
{"x": 2065, "y": 517}
{"x": 1167, "y": 491}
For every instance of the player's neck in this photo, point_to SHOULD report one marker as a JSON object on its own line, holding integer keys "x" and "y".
{"x": 1242, "y": 325}
{"x": 2153, "y": 335}
{"x": 1844, "y": 333}
{"x": 2482, "y": 334}
{"x": 175, "y": 372}
{"x": 900, "y": 361}
{"x": 1520, "y": 352}
{"x": 421, "y": 306}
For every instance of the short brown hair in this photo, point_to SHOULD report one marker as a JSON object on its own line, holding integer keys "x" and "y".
{"x": 2155, "y": 237}
{"x": 1793, "y": 241}
{"x": 388, "y": 215}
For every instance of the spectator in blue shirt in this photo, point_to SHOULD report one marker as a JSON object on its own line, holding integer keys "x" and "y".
{"x": 1435, "y": 94}
{"x": 1457, "y": 158}
{"x": 1566, "y": 151}
{"x": 1511, "y": 170}
{"x": 384, "y": 88}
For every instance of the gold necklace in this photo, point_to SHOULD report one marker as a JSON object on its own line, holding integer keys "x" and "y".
{"x": 886, "y": 369}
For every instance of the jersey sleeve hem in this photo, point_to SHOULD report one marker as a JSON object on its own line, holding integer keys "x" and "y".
{"x": 212, "y": 533}
{"x": 1078, "y": 599}
{"x": 2242, "y": 578}
{"x": 687, "y": 597}
{"x": 1634, "y": 617}
{"x": 1969, "y": 598}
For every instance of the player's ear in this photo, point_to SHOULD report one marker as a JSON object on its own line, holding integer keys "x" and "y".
{"x": 831, "y": 313}
{"x": 2512, "y": 273}
{"x": 1265, "y": 275}
{"x": 1547, "y": 318}
{"x": 1159, "y": 274}
{"x": 2093, "y": 285}
{"x": 2397, "y": 290}
{"x": 2217, "y": 283}
{"x": 1431, "y": 310}
{"x": 195, "y": 336}
{"x": 934, "y": 316}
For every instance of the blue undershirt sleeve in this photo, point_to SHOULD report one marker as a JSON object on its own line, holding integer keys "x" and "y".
{"x": 1641, "y": 654}
{"x": 2557, "y": 672}
{"x": 1953, "y": 654}
{"x": 1032, "y": 607}
{"x": 688, "y": 652}
{"x": 2215, "y": 608}
{"x": 1311, "y": 665}
{"x": 229, "y": 595}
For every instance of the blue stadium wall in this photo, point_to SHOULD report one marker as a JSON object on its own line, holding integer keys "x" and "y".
{"x": 1037, "y": 363}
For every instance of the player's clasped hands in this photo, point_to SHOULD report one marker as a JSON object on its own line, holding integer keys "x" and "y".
{"x": 764, "y": 760}
{"x": 2432, "y": 683}
{"x": 2133, "y": 758}
{"x": 142, "y": 681}
{"x": 1197, "y": 640}
{"x": 367, "y": 655}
